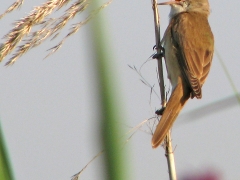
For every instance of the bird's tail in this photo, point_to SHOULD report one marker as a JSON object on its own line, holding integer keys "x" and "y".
{"x": 178, "y": 98}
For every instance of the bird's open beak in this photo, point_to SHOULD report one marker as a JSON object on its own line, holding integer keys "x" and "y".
{"x": 170, "y": 2}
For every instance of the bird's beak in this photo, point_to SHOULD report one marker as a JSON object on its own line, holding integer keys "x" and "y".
{"x": 170, "y": 2}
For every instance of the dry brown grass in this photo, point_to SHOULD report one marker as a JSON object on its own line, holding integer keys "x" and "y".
{"x": 14, "y": 6}
{"x": 49, "y": 27}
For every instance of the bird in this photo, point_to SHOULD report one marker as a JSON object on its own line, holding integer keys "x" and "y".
{"x": 188, "y": 43}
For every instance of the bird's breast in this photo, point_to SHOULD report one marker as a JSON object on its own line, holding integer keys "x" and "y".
{"x": 172, "y": 64}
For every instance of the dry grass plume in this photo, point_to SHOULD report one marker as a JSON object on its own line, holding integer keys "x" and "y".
{"x": 49, "y": 27}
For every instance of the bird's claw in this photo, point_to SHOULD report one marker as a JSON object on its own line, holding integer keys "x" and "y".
{"x": 160, "y": 111}
{"x": 154, "y": 47}
{"x": 158, "y": 55}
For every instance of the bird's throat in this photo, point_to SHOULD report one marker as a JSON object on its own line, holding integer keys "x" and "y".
{"x": 176, "y": 9}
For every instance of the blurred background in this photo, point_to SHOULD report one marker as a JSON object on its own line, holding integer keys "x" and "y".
{"x": 49, "y": 112}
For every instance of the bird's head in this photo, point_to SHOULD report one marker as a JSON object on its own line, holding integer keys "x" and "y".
{"x": 178, "y": 6}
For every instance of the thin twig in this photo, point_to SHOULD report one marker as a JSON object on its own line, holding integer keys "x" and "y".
{"x": 76, "y": 176}
{"x": 143, "y": 80}
{"x": 132, "y": 131}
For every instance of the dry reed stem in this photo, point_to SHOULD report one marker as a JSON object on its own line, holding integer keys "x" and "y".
{"x": 14, "y": 6}
{"x": 167, "y": 142}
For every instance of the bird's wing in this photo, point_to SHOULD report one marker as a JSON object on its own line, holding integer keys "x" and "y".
{"x": 194, "y": 41}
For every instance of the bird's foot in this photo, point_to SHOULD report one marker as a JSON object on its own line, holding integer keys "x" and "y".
{"x": 158, "y": 55}
{"x": 160, "y": 111}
